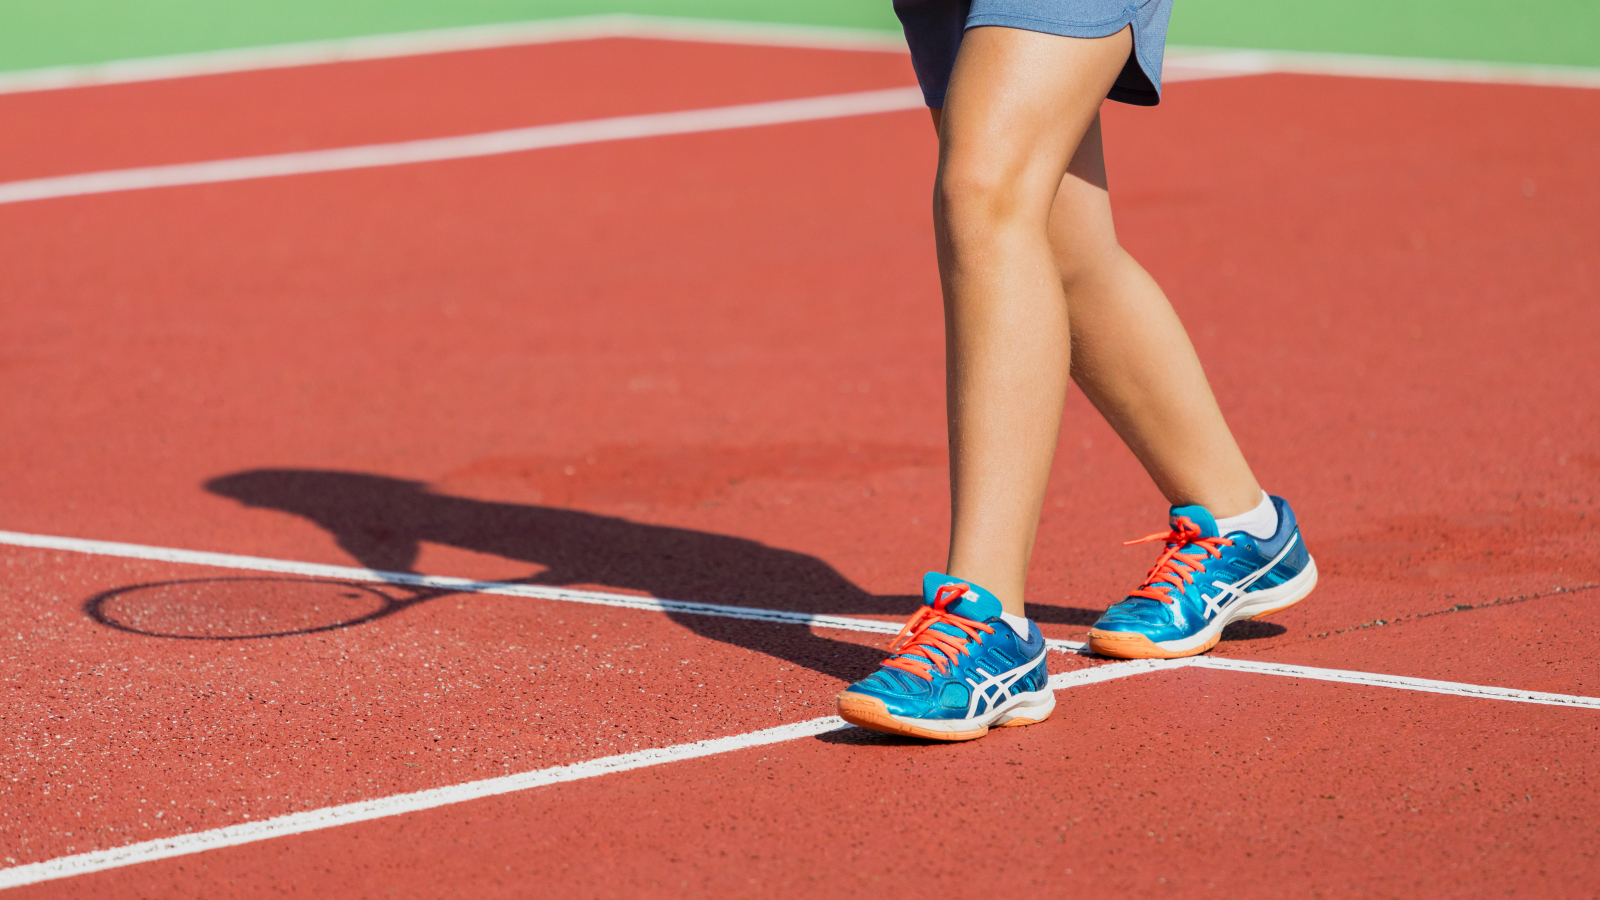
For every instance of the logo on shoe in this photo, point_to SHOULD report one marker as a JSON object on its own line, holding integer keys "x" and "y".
{"x": 1227, "y": 593}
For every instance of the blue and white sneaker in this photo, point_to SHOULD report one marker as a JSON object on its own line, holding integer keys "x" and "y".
{"x": 1202, "y": 582}
{"x": 958, "y": 668}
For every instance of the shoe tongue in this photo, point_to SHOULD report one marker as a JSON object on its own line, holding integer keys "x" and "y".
{"x": 1199, "y": 516}
{"x": 976, "y": 604}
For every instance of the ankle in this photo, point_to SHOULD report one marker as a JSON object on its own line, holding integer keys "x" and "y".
{"x": 1260, "y": 522}
{"x": 1019, "y": 624}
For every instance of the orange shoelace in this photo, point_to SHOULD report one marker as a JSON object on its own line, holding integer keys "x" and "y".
{"x": 920, "y": 638}
{"x": 1174, "y": 569}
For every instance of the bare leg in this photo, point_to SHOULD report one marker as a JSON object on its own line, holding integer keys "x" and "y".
{"x": 1132, "y": 357}
{"x": 1024, "y": 231}
{"x": 1018, "y": 105}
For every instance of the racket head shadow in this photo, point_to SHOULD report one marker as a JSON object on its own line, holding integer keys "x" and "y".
{"x": 245, "y": 608}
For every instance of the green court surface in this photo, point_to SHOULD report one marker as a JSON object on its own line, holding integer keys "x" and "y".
{"x": 60, "y": 32}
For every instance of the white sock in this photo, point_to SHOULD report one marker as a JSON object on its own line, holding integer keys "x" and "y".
{"x": 1019, "y": 624}
{"x": 1261, "y": 522}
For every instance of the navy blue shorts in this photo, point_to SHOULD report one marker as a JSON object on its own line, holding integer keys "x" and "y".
{"x": 934, "y": 28}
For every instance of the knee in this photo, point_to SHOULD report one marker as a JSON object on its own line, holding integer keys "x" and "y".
{"x": 975, "y": 197}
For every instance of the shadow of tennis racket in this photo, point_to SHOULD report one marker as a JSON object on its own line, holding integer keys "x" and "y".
{"x": 224, "y": 609}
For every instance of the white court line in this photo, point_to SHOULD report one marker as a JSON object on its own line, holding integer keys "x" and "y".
{"x": 1183, "y": 63}
{"x": 1095, "y": 674}
{"x": 464, "y": 585}
{"x": 1402, "y": 682}
{"x": 1343, "y": 676}
{"x": 296, "y": 823}
{"x": 777, "y": 616}
{"x": 1192, "y": 63}
{"x": 399, "y": 804}
{"x": 449, "y": 40}
{"x": 1184, "y": 66}
{"x": 491, "y": 143}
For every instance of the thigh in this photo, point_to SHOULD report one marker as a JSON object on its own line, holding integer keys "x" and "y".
{"x": 1020, "y": 103}
{"x": 1140, "y": 79}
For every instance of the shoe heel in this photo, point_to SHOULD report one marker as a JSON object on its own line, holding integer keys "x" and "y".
{"x": 1308, "y": 581}
{"x": 1028, "y": 712}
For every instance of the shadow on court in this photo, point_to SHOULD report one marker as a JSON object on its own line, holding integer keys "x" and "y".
{"x": 382, "y": 522}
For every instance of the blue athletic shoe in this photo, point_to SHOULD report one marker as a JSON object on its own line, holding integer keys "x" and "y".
{"x": 957, "y": 669}
{"x": 1202, "y": 582}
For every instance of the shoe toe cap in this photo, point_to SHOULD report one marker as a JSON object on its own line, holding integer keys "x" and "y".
{"x": 1134, "y": 614}
{"x": 912, "y": 697}
{"x": 1150, "y": 618}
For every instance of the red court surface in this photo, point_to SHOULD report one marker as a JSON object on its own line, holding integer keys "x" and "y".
{"x": 708, "y": 368}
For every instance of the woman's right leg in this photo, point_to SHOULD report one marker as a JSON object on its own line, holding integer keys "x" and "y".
{"x": 1018, "y": 105}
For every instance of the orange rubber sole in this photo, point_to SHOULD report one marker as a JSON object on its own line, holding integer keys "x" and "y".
{"x": 1133, "y": 645}
{"x": 869, "y": 712}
